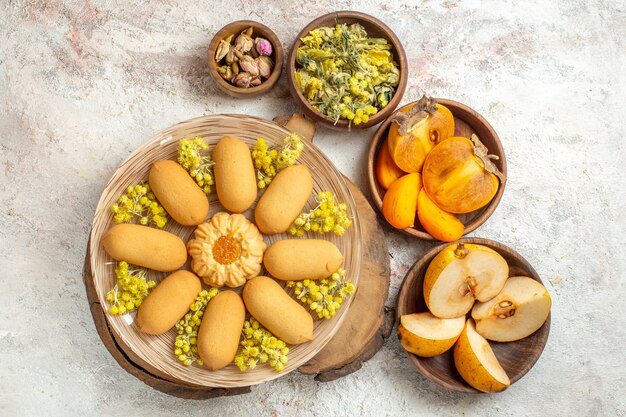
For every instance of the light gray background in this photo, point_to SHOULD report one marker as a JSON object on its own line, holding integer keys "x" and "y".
{"x": 82, "y": 84}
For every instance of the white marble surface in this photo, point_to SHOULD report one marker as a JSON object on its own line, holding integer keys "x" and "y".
{"x": 83, "y": 83}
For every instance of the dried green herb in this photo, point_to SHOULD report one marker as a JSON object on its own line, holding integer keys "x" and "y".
{"x": 344, "y": 74}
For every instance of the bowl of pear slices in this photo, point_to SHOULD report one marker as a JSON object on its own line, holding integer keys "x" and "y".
{"x": 473, "y": 316}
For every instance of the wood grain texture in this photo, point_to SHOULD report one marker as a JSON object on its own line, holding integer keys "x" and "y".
{"x": 375, "y": 29}
{"x": 362, "y": 334}
{"x": 466, "y": 122}
{"x": 298, "y": 123}
{"x": 277, "y": 56}
{"x": 367, "y": 324}
{"x": 517, "y": 358}
{"x": 134, "y": 365}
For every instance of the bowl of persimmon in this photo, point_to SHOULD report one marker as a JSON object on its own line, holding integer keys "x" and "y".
{"x": 436, "y": 169}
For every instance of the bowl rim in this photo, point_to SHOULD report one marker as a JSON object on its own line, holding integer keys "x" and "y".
{"x": 422, "y": 263}
{"x": 277, "y": 52}
{"x": 378, "y": 138}
{"x": 341, "y": 124}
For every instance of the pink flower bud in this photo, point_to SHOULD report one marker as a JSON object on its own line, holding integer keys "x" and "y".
{"x": 263, "y": 46}
{"x": 249, "y": 65}
{"x": 225, "y": 71}
{"x": 264, "y": 64}
{"x": 242, "y": 80}
{"x": 243, "y": 43}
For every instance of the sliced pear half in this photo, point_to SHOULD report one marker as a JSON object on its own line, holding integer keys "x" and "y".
{"x": 519, "y": 310}
{"x": 477, "y": 363}
{"x": 426, "y": 335}
{"x": 459, "y": 275}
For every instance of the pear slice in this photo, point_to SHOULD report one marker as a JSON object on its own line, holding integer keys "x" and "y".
{"x": 459, "y": 275}
{"x": 518, "y": 311}
{"x": 426, "y": 335}
{"x": 477, "y": 363}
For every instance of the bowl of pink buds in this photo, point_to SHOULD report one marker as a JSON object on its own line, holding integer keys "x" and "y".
{"x": 245, "y": 59}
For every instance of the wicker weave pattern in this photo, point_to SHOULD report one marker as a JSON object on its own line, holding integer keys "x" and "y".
{"x": 155, "y": 352}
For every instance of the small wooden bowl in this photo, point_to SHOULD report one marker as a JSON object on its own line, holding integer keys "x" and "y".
{"x": 375, "y": 29}
{"x": 515, "y": 357}
{"x": 466, "y": 122}
{"x": 261, "y": 30}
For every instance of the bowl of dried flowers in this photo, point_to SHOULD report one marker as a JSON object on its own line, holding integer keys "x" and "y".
{"x": 245, "y": 59}
{"x": 347, "y": 70}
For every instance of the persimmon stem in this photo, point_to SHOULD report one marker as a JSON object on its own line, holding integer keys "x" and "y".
{"x": 482, "y": 153}
{"x": 420, "y": 111}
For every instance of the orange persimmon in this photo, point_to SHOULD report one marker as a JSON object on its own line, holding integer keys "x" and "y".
{"x": 459, "y": 175}
{"x": 400, "y": 201}
{"x": 386, "y": 170}
{"x": 416, "y": 130}
{"x": 440, "y": 224}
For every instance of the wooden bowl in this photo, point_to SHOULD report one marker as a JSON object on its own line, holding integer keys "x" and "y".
{"x": 258, "y": 30}
{"x": 375, "y": 28}
{"x": 466, "y": 122}
{"x": 515, "y": 357}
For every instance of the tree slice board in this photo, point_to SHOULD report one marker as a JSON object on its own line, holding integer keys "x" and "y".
{"x": 131, "y": 365}
{"x": 362, "y": 334}
{"x": 368, "y": 322}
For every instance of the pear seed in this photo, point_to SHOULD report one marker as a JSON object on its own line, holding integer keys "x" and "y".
{"x": 464, "y": 290}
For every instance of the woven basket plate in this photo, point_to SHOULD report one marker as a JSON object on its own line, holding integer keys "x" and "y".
{"x": 156, "y": 351}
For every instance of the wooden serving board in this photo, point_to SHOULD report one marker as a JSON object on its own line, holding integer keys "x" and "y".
{"x": 368, "y": 322}
{"x": 131, "y": 365}
{"x": 362, "y": 334}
